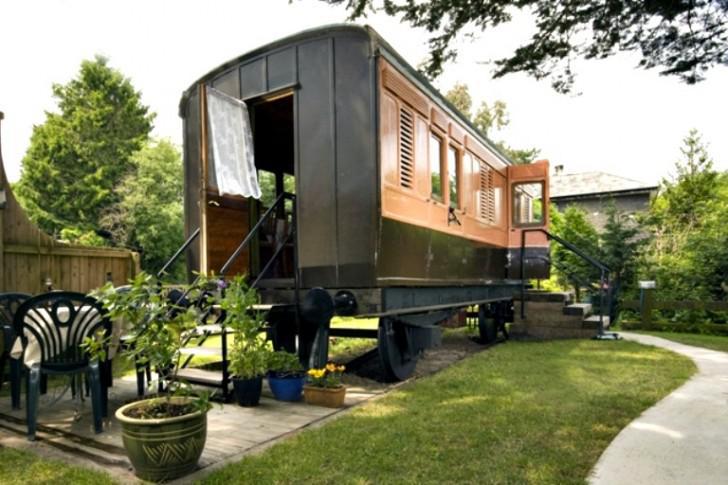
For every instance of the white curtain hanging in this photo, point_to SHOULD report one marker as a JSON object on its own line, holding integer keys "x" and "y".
{"x": 231, "y": 140}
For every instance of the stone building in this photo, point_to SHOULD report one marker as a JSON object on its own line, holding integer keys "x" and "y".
{"x": 592, "y": 191}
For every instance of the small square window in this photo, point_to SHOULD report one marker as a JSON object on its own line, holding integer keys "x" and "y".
{"x": 528, "y": 209}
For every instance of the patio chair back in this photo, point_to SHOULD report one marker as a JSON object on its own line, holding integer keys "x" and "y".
{"x": 9, "y": 304}
{"x": 59, "y": 322}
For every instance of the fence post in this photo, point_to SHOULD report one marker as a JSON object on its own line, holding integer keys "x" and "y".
{"x": 647, "y": 298}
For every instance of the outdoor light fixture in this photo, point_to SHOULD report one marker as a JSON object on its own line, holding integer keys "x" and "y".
{"x": 49, "y": 283}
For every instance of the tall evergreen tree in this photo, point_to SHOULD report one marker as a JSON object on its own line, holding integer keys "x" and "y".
{"x": 149, "y": 215}
{"x": 571, "y": 270}
{"x": 688, "y": 255}
{"x": 79, "y": 155}
{"x": 620, "y": 243}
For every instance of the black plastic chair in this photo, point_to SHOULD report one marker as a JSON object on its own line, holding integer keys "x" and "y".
{"x": 9, "y": 304}
{"x": 59, "y": 322}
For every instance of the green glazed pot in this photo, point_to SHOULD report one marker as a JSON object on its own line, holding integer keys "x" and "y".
{"x": 166, "y": 448}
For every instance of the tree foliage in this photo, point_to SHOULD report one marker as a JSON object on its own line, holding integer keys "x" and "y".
{"x": 79, "y": 155}
{"x": 571, "y": 270}
{"x": 149, "y": 215}
{"x": 620, "y": 245}
{"x": 488, "y": 117}
{"x": 681, "y": 38}
{"x": 688, "y": 256}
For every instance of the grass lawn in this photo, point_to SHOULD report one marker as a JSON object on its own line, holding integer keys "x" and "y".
{"x": 21, "y": 467}
{"x": 714, "y": 342}
{"x": 521, "y": 412}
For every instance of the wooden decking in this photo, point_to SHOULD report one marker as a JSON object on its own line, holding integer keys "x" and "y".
{"x": 232, "y": 431}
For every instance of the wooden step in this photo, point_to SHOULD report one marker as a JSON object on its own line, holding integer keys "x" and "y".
{"x": 547, "y": 296}
{"x": 210, "y": 329}
{"x": 206, "y": 351}
{"x": 210, "y": 378}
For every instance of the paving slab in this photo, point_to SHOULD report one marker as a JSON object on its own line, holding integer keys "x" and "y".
{"x": 65, "y": 424}
{"x": 683, "y": 439}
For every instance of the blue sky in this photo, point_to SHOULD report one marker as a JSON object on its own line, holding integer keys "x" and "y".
{"x": 625, "y": 121}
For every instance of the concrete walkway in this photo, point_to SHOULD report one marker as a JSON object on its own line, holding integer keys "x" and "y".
{"x": 683, "y": 439}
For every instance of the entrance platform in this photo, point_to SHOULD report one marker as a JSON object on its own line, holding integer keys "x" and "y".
{"x": 66, "y": 425}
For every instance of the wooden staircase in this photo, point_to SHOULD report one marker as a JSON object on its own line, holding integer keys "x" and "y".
{"x": 554, "y": 316}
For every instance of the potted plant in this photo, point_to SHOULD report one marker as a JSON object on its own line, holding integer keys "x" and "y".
{"x": 285, "y": 376}
{"x": 164, "y": 435}
{"x": 250, "y": 350}
{"x": 324, "y": 387}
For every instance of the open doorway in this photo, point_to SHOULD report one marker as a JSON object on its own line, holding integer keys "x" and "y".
{"x": 273, "y": 139}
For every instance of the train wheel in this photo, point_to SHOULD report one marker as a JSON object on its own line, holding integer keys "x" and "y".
{"x": 487, "y": 324}
{"x": 398, "y": 361}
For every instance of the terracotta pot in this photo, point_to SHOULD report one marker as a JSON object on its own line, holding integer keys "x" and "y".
{"x": 324, "y": 396}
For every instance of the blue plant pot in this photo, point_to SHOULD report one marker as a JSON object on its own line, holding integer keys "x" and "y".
{"x": 286, "y": 388}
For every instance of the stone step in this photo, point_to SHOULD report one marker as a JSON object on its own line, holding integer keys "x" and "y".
{"x": 581, "y": 309}
{"x": 592, "y": 321}
{"x": 546, "y": 296}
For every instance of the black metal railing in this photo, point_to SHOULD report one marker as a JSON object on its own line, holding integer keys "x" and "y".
{"x": 604, "y": 295}
{"x": 249, "y": 237}
{"x": 178, "y": 253}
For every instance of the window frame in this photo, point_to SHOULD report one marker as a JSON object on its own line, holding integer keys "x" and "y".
{"x": 458, "y": 177}
{"x": 441, "y": 139}
{"x": 514, "y": 221}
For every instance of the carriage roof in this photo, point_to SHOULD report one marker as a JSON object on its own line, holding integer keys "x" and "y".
{"x": 378, "y": 45}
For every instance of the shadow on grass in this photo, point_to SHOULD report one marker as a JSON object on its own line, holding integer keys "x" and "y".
{"x": 521, "y": 412}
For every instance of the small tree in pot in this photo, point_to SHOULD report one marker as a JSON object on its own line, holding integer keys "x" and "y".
{"x": 249, "y": 352}
{"x": 285, "y": 376}
{"x": 164, "y": 436}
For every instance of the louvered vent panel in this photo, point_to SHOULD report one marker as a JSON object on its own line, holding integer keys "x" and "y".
{"x": 486, "y": 195}
{"x": 406, "y": 149}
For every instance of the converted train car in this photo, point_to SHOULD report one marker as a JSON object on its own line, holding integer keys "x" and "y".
{"x": 381, "y": 199}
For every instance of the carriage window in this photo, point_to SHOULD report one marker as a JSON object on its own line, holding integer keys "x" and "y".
{"x": 528, "y": 204}
{"x": 453, "y": 176}
{"x": 435, "y": 166}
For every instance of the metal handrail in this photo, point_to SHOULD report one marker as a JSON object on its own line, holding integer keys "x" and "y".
{"x": 178, "y": 253}
{"x": 603, "y": 269}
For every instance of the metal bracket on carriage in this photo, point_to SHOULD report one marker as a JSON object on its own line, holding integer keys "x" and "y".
{"x": 452, "y": 217}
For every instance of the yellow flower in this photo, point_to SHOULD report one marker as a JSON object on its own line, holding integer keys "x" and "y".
{"x": 341, "y": 368}
{"x": 331, "y": 367}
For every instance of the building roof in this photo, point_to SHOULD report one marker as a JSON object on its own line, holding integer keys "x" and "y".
{"x": 574, "y": 184}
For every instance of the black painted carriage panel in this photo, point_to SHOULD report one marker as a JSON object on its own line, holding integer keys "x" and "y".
{"x": 412, "y": 255}
{"x": 316, "y": 164}
{"x": 228, "y": 83}
{"x": 253, "y": 78}
{"x": 282, "y": 69}
{"x": 356, "y": 170}
{"x": 191, "y": 124}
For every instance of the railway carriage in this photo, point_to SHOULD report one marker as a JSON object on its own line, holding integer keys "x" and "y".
{"x": 379, "y": 198}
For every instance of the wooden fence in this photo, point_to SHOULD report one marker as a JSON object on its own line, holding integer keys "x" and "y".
{"x": 29, "y": 258}
{"x": 647, "y": 304}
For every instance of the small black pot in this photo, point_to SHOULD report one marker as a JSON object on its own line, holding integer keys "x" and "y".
{"x": 247, "y": 391}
